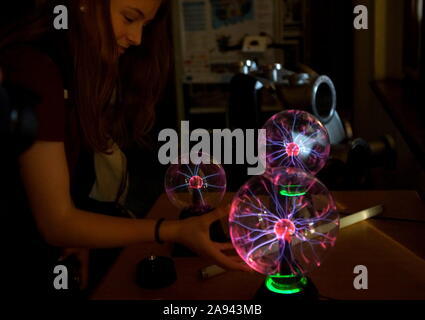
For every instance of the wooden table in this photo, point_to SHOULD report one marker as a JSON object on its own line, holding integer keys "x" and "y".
{"x": 392, "y": 250}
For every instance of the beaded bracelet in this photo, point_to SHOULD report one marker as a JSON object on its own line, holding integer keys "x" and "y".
{"x": 157, "y": 226}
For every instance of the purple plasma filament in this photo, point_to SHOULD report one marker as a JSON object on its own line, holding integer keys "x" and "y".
{"x": 196, "y": 182}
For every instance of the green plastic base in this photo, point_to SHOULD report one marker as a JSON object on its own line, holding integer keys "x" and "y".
{"x": 287, "y": 288}
{"x": 286, "y": 284}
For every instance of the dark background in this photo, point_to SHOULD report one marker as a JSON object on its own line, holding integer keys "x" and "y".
{"x": 358, "y": 61}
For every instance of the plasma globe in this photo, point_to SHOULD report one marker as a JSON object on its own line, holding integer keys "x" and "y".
{"x": 283, "y": 222}
{"x": 195, "y": 185}
{"x": 296, "y": 139}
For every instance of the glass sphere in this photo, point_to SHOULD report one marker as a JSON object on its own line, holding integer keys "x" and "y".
{"x": 296, "y": 139}
{"x": 195, "y": 184}
{"x": 283, "y": 222}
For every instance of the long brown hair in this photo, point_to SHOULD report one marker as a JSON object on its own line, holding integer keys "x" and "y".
{"x": 136, "y": 82}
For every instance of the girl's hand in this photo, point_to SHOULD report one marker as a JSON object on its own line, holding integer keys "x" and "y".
{"x": 194, "y": 234}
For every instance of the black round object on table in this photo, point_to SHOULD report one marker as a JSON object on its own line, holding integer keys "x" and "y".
{"x": 155, "y": 272}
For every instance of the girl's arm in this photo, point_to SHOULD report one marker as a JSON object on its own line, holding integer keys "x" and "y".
{"x": 45, "y": 175}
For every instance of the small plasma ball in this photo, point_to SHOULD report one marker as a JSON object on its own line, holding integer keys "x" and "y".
{"x": 191, "y": 185}
{"x": 283, "y": 222}
{"x": 296, "y": 139}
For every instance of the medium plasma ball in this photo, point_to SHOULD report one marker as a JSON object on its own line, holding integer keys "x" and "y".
{"x": 283, "y": 222}
{"x": 190, "y": 185}
{"x": 296, "y": 139}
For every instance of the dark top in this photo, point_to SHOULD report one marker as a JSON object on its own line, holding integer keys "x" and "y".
{"x": 43, "y": 70}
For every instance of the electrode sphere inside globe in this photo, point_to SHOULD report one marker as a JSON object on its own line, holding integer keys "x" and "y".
{"x": 195, "y": 184}
{"x": 296, "y": 139}
{"x": 283, "y": 222}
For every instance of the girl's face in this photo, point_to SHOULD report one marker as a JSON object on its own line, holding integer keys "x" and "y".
{"x": 128, "y": 19}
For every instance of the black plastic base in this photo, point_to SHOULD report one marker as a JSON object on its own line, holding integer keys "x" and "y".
{"x": 155, "y": 272}
{"x": 309, "y": 292}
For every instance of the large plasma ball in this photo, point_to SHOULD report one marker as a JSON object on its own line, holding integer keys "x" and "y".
{"x": 191, "y": 185}
{"x": 296, "y": 139}
{"x": 283, "y": 222}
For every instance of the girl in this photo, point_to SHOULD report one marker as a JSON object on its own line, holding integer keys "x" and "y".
{"x": 97, "y": 84}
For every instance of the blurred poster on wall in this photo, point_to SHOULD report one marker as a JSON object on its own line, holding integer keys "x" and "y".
{"x": 213, "y": 32}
